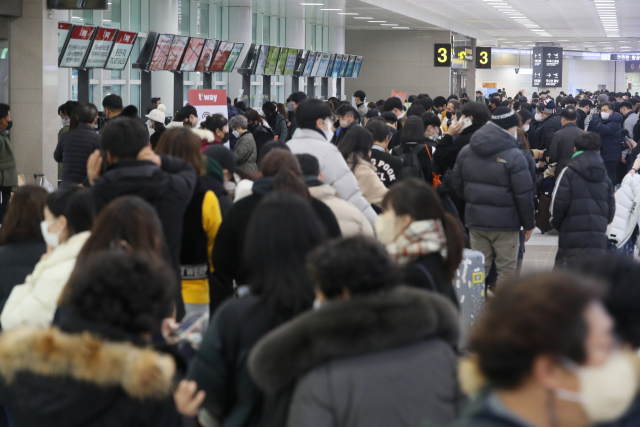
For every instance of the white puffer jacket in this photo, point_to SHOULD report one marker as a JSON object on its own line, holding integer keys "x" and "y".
{"x": 627, "y": 211}
{"x": 34, "y": 302}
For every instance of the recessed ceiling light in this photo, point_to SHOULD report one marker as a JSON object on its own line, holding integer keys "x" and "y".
{"x": 330, "y": 9}
{"x": 563, "y": 40}
{"x": 363, "y": 17}
{"x": 348, "y": 13}
{"x": 538, "y": 31}
{"x": 376, "y": 21}
{"x": 532, "y": 45}
{"x": 400, "y": 28}
{"x": 312, "y": 4}
{"x": 389, "y": 25}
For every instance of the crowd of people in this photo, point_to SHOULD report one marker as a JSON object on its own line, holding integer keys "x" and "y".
{"x": 295, "y": 265}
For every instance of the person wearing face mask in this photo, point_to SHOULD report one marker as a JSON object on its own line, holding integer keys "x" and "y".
{"x": 417, "y": 231}
{"x": 156, "y": 122}
{"x": 68, "y": 217}
{"x": 372, "y": 354}
{"x": 214, "y": 130}
{"x": 562, "y": 147}
{"x": 389, "y": 168}
{"x": 550, "y": 122}
{"x": 583, "y": 111}
{"x": 8, "y": 171}
{"x": 245, "y": 148}
{"x": 259, "y": 128}
{"x": 347, "y": 118}
{"x": 493, "y": 177}
{"x": 313, "y": 137}
{"x": 608, "y": 125}
{"x": 566, "y": 372}
{"x": 431, "y": 130}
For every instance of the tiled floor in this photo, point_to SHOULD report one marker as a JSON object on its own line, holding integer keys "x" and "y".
{"x": 540, "y": 252}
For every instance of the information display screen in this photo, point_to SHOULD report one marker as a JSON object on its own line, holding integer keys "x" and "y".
{"x": 224, "y": 50}
{"x": 316, "y": 64}
{"x": 290, "y": 66}
{"x": 161, "y": 52}
{"x": 77, "y": 46}
{"x": 324, "y": 64}
{"x": 100, "y": 48}
{"x": 282, "y": 61}
{"x": 336, "y": 66}
{"x": 63, "y": 34}
{"x": 262, "y": 59}
{"x": 343, "y": 66}
{"x": 356, "y": 67}
{"x": 332, "y": 60}
{"x": 308, "y": 66}
{"x": 207, "y": 55}
{"x": 352, "y": 61}
{"x": 272, "y": 61}
{"x": 194, "y": 49}
{"x": 176, "y": 52}
{"x": 121, "y": 50}
{"x": 233, "y": 58}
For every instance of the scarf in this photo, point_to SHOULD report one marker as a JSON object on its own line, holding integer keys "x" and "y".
{"x": 418, "y": 239}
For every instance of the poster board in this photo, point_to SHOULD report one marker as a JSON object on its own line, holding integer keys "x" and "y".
{"x": 64, "y": 28}
{"x": 161, "y": 52}
{"x": 323, "y": 64}
{"x": 208, "y": 102}
{"x": 176, "y": 52}
{"x": 356, "y": 67}
{"x": 262, "y": 59}
{"x": 350, "y": 64}
{"x": 343, "y": 66}
{"x": 192, "y": 55}
{"x": 282, "y": 61}
{"x": 308, "y": 66}
{"x": 206, "y": 57}
{"x": 272, "y": 61}
{"x": 121, "y": 50}
{"x": 77, "y": 46}
{"x": 233, "y": 57}
{"x": 100, "y": 48}
{"x": 221, "y": 56}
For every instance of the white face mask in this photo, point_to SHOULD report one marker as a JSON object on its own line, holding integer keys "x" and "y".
{"x": 538, "y": 117}
{"x": 606, "y": 391}
{"x": 343, "y": 123}
{"x": 604, "y": 116}
{"x": 329, "y": 132}
{"x": 236, "y": 134}
{"x": 401, "y": 116}
{"x": 525, "y": 128}
{"x": 51, "y": 239}
{"x": 385, "y": 227}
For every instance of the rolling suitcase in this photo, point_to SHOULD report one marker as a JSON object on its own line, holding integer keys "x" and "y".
{"x": 469, "y": 287}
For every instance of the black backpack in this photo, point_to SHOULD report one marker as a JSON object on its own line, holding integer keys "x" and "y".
{"x": 411, "y": 167}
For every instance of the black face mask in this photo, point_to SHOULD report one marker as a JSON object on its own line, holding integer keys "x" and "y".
{"x": 9, "y": 125}
{"x": 225, "y": 138}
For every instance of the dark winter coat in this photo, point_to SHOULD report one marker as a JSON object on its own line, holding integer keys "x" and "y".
{"x": 424, "y": 157}
{"x": 562, "y": 147}
{"x": 279, "y": 126}
{"x": 494, "y": 178}
{"x": 17, "y": 261}
{"x": 484, "y": 412}
{"x": 227, "y": 256}
{"x": 293, "y": 125}
{"x": 582, "y": 206}
{"x": 343, "y": 131}
{"x": 548, "y": 127}
{"x": 448, "y": 148}
{"x": 73, "y": 151}
{"x": 220, "y": 367}
{"x": 581, "y": 118}
{"x": 261, "y": 135}
{"x": 246, "y": 153}
{"x": 610, "y": 132}
{"x": 384, "y": 359}
{"x": 168, "y": 189}
{"x": 214, "y": 181}
{"x": 413, "y": 274}
{"x": 155, "y": 138}
{"x": 389, "y": 168}
{"x": 68, "y": 381}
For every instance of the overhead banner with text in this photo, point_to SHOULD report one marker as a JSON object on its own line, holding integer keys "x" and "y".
{"x": 208, "y": 102}
{"x": 547, "y": 67}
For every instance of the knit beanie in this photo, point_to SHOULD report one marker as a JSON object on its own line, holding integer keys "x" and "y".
{"x": 549, "y": 106}
{"x": 505, "y": 117}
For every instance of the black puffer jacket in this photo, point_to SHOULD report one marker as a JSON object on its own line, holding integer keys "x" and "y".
{"x": 73, "y": 151}
{"x": 582, "y": 206}
{"x": 448, "y": 148}
{"x": 17, "y": 261}
{"x": 610, "y": 132}
{"x": 494, "y": 178}
{"x": 547, "y": 129}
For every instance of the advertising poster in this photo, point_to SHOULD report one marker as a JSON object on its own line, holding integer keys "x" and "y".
{"x": 289, "y": 67}
{"x": 356, "y": 67}
{"x": 175, "y": 53}
{"x": 282, "y": 61}
{"x": 399, "y": 94}
{"x": 332, "y": 60}
{"x": 343, "y": 66}
{"x": 121, "y": 50}
{"x": 208, "y": 102}
{"x": 193, "y": 54}
{"x": 161, "y": 53}
{"x": 272, "y": 60}
{"x": 77, "y": 46}
{"x": 63, "y": 32}
{"x": 221, "y": 56}
{"x": 336, "y": 66}
{"x": 207, "y": 55}
{"x": 324, "y": 63}
{"x": 352, "y": 61}
{"x": 316, "y": 64}
{"x": 99, "y": 52}
{"x": 233, "y": 58}
{"x": 262, "y": 59}
{"x": 308, "y": 66}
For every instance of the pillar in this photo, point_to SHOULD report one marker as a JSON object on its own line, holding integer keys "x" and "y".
{"x": 163, "y": 18}
{"x": 294, "y": 38}
{"x": 336, "y": 45}
{"x": 471, "y": 73}
{"x": 33, "y": 90}
{"x": 240, "y": 32}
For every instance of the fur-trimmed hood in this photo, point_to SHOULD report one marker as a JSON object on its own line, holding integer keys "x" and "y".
{"x": 204, "y": 134}
{"x": 349, "y": 328}
{"x": 141, "y": 373}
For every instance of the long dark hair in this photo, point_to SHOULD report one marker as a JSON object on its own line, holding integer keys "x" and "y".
{"x": 24, "y": 215}
{"x": 184, "y": 144}
{"x": 77, "y": 205}
{"x": 285, "y": 170}
{"x": 356, "y": 145}
{"x": 415, "y": 198}
{"x": 413, "y": 130}
{"x": 282, "y": 231}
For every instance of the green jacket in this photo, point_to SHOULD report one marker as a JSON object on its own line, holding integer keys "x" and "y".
{"x": 8, "y": 172}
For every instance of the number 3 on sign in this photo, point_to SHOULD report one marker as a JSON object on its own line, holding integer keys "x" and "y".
{"x": 443, "y": 55}
{"x": 484, "y": 58}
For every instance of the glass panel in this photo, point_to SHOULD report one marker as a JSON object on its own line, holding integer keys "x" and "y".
{"x": 135, "y": 52}
{"x": 183, "y": 17}
{"x": 91, "y": 90}
{"x": 135, "y": 23}
{"x": 134, "y": 96}
{"x": 218, "y": 22}
{"x": 4, "y": 71}
{"x": 74, "y": 92}
{"x": 110, "y": 90}
{"x": 113, "y": 15}
{"x": 254, "y": 24}
{"x": 266, "y": 29}
{"x": 82, "y": 16}
{"x": 203, "y": 19}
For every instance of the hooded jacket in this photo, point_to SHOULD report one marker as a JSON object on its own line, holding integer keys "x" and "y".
{"x": 563, "y": 144}
{"x": 207, "y": 138}
{"x": 627, "y": 211}
{"x": 382, "y": 359}
{"x": 86, "y": 379}
{"x": 610, "y": 132}
{"x": 333, "y": 166}
{"x": 246, "y": 153}
{"x": 494, "y": 178}
{"x": 8, "y": 171}
{"x": 582, "y": 205}
{"x": 73, "y": 151}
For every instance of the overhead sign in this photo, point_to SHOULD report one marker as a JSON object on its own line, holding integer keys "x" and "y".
{"x": 160, "y": 55}
{"x": 483, "y": 57}
{"x": 632, "y": 66}
{"x": 121, "y": 50}
{"x": 100, "y": 48}
{"x": 77, "y": 46}
{"x": 63, "y": 32}
{"x": 547, "y": 67}
{"x": 442, "y": 55}
{"x": 624, "y": 57}
{"x": 208, "y": 102}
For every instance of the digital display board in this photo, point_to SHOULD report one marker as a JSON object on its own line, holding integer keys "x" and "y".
{"x": 316, "y": 64}
{"x": 272, "y": 60}
{"x": 336, "y": 66}
{"x": 100, "y": 48}
{"x": 356, "y": 67}
{"x": 207, "y": 55}
{"x": 483, "y": 57}
{"x": 121, "y": 50}
{"x": 161, "y": 52}
{"x": 75, "y": 4}
{"x": 191, "y": 56}
{"x": 178, "y": 46}
{"x": 77, "y": 46}
{"x": 282, "y": 61}
{"x": 233, "y": 58}
{"x": 262, "y": 59}
{"x": 63, "y": 34}
{"x": 290, "y": 66}
{"x": 442, "y": 55}
{"x": 224, "y": 50}
{"x": 343, "y": 66}
{"x": 332, "y": 60}
{"x": 308, "y": 66}
{"x": 352, "y": 61}
{"x": 323, "y": 64}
